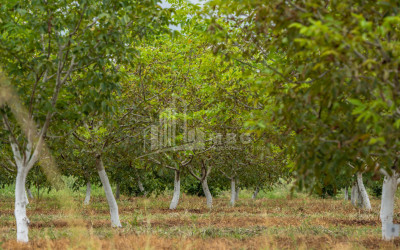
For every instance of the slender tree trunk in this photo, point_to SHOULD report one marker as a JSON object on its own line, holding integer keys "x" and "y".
{"x": 88, "y": 191}
{"x": 207, "y": 192}
{"x": 256, "y": 190}
{"x": 141, "y": 187}
{"x": 233, "y": 192}
{"x": 112, "y": 203}
{"x": 21, "y": 200}
{"x": 177, "y": 190}
{"x": 237, "y": 193}
{"x": 20, "y": 205}
{"x": 117, "y": 192}
{"x": 140, "y": 184}
{"x": 346, "y": 193}
{"x": 30, "y": 195}
{"x": 387, "y": 204}
{"x": 354, "y": 194}
{"x": 37, "y": 186}
{"x": 365, "y": 203}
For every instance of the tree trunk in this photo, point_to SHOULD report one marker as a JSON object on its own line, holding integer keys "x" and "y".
{"x": 365, "y": 203}
{"x": 117, "y": 192}
{"x": 20, "y": 206}
{"x": 359, "y": 198}
{"x": 207, "y": 192}
{"x": 140, "y": 184}
{"x": 346, "y": 193}
{"x": 112, "y": 203}
{"x": 30, "y": 195}
{"x": 237, "y": 193}
{"x": 256, "y": 190}
{"x": 387, "y": 204}
{"x": 177, "y": 190}
{"x": 26, "y": 197}
{"x": 233, "y": 191}
{"x": 354, "y": 194}
{"x": 141, "y": 187}
{"x": 88, "y": 191}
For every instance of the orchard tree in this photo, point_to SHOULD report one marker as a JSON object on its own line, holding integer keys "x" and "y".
{"x": 75, "y": 161}
{"x": 204, "y": 167}
{"x": 97, "y": 137}
{"x": 44, "y": 47}
{"x": 332, "y": 70}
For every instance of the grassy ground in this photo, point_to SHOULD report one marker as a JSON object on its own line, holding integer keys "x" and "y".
{"x": 275, "y": 220}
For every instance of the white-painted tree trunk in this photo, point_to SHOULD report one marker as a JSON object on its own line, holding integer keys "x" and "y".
{"x": 207, "y": 193}
{"x": 346, "y": 193}
{"x": 365, "y": 203}
{"x": 354, "y": 194}
{"x": 237, "y": 193}
{"x": 117, "y": 192}
{"x": 88, "y": 191}
{"x": 26, "y": 198}
{"x": 20, "y": 206}
{"x": 256, "y": 190}
{"x": 233, "y": 192}
{"x": 387, "y": 204}
{"x": 140, "y": 185}
{"x": 21, "y": 200}
{"x": 177, "y": 190}
{"x": 30, "y": 195}
{"x": 112, "y": 203}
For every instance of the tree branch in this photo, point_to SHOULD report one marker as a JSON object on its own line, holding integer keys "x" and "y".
{"x": 384, "y": 172}
{"x": 230, "y": 178}
{"x": 193, "y": 174}
{"x": 167, "y": 166}
{"x": 79, "y": 138}
{"x": 187, "y": 162}
{"x": 8, "y": 169}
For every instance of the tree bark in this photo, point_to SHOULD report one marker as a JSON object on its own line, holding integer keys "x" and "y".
{"x": 88, "y": 191}
{"x": 23, "y": 167}
{"x": 30, "y": 195}
{"x": 256, "y": 190}
{"x": 177, "y": 190}
{"x": 346, "y": 193}
{"x": 26, "y": 197}
{"x": 233, "y": 192}
{"x": 207, "y": 193}
{"x": 354, "y": 194}
{"x": 237, "y": 193}
{"x": 205, "y": 172}
{"x": 365, "y": 203}
{"x": 112, "y": 203}
{"x": 20, "y": 205}
{"x": 141, "y": 187}
{"x": 117, "y": 192}
{"x": 387, "y": 204}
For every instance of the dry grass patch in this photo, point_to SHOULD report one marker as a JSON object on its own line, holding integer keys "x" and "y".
{"x": 300, "y": 223}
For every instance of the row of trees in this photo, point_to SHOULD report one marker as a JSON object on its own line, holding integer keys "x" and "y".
{"x": 331, "y": 70}
{"x": 113, "y": 93}
{"x": 246, "y": 92}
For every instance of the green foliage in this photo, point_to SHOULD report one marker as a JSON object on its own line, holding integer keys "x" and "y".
{"x": 330, "y": 70}
{"x": 315, "y": 85}
{"x": 376, "y": 189}
{"x": 192, "y": 186}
